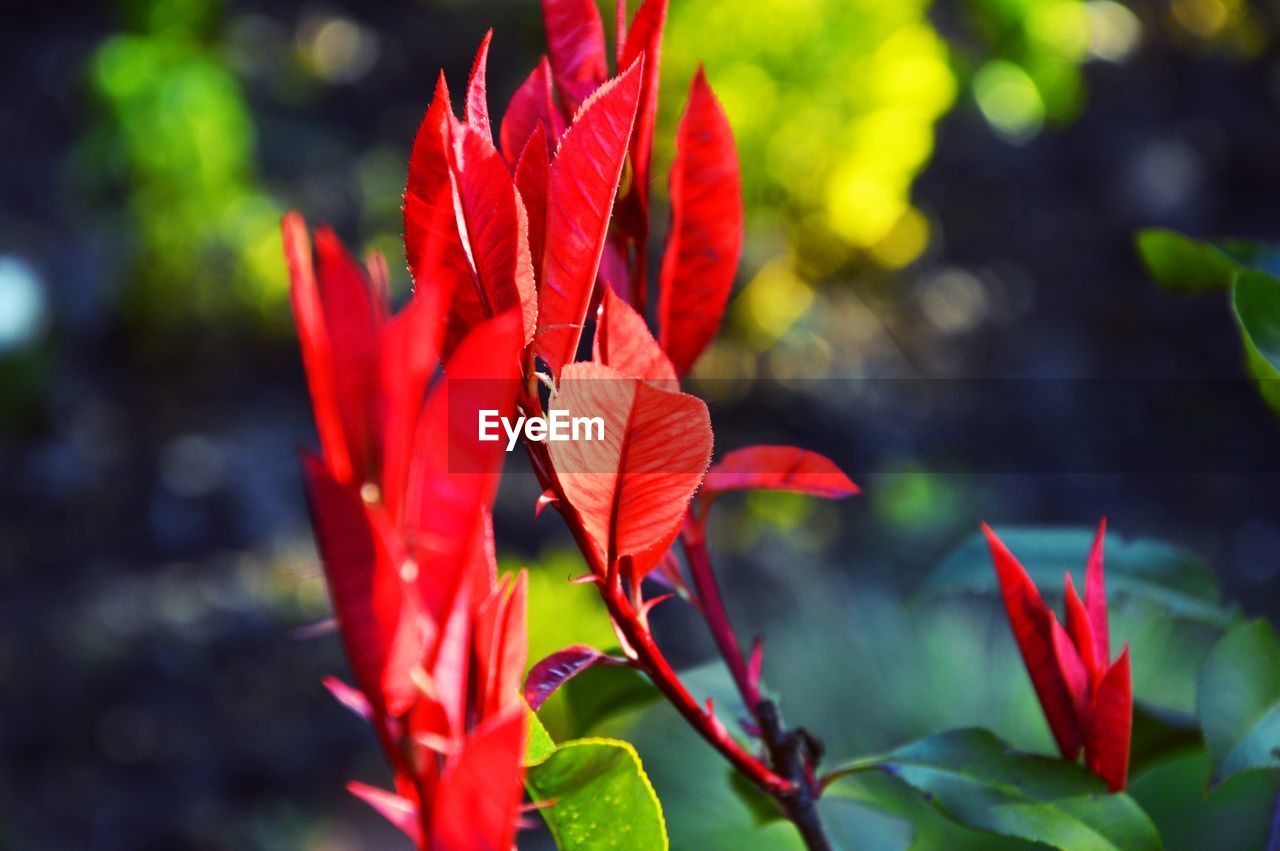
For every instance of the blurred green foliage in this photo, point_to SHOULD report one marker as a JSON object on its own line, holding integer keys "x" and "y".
{"x": 177, "y": 131}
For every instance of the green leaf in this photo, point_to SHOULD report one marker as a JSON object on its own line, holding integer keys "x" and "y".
{"x": 1183, "y": 264}
{"x": 1256, "y": 300}
{"x": 1159, "y": 733}
{"x": 1168, "y": 576}
{"x": 1239, "y": 701}
{"x": 540, "y": 744}
{"x": 978, "y": 781}
{"x": 598, "y": 797}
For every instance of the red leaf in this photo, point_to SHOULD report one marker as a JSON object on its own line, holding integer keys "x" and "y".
{"x": 401, "y": 812}
{"x": 495, "y": 234}
{"x": 1032, "y": 624}
{"x": 477, "y": 96}
{"x": 575, "y": 43}
{"x": 1111, "y": 725}
{"x": 477, "y": 806}
{"x": 366, "y": 590}
{"x": 1095, "y": 596}
{"x": 349, "y": 697}
{"x": 453, "y": 475}
{"x": 645, "y": 39}
{"x": 408, "y": 361}
{"x": 532, "y": 173}
{"x": 1081, "y": 633}
{"x": 532, "y": 105}
{"x": 631, "y": 489}
{"x": 705, "y": 237}
{"x": 560, "y": 667}
{"x": 501, "y": 645}
{"x": 432, "y": 241}
{"x": 623, "y": 342}
{"x": 1073, "y": 671}
{"x": 580, "y": 194}
{"x": 313, "y": 338}
{"x": 783, "y": 468}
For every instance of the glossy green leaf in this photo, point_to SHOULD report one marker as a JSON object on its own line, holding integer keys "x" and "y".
{"x": 978, "y": 781}
{"x": 1239, "y": 701}
{"x": 540, "y": 744}
{"x": 1167, "y": 576}
{"x": 1183, "y": 264}
{"x": 1256, "y": 300}
{"x": 598, "y": 797}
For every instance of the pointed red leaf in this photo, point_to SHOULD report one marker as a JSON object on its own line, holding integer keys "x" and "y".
{"x": 432, "y": 241}
{"x": 705, "y": 238}
{"x": 313, "y": 337}
{"x": 352, "y": 698}
{"x": 1107, "y": 737}
{"x": 495, "y": 234}
{"x": 546, "y": 498}
{"x": 623, "y": 342}
{"x": 401, "y": 812}
{"x": 619, "y": 29}
{"x": 453, "y": 475}
{"x": 1081, "y": 633}
{"x": 783, "y": 468}
{"x": 366, "y": 591}
{"x": 532, "y": 173}
{"x": 1073, "y": 671}
{"x": 645, "y": 39}
{"x": 631, "y": 489}
{"x": 1095, "y": 595}
{"x": 1032, "y": 624}
{"x": 477, "y": 806}
{"x": 575, "y": 44}
{"x": 531, "y": 106}
{"x": 560, "y": 667}
{"x": 501, "y": 645}
{"x": 580, "y": 193}
{"x": 477, "y": 95}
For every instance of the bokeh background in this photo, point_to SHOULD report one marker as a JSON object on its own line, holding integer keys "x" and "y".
{"x": 940, "y": 196}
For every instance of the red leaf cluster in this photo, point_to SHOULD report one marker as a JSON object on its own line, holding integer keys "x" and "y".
{"x": 514, "y": 249}
{"x": 1087, "y": 699}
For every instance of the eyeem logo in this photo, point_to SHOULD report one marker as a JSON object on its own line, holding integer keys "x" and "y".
{"x": 557, "y": 426}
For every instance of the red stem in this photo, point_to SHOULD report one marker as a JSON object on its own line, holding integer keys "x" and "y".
{"x": 649, "y": 656}
{"x": 693, "y": 536}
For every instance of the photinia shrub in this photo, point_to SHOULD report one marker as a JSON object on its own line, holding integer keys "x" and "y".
{"x": 521, "y": 245}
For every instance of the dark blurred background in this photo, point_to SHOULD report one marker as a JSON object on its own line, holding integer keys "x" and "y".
{"x": 939, "y": 289}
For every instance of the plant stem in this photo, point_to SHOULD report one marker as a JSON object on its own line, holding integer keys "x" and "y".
{"x": 712, "y": 604}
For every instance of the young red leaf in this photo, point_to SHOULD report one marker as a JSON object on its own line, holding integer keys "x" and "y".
{"x": 560, "y": 667}
{"x": 495, "y": 233}
{"x": 453, "y": 475}
{"x": 432, "y": 240}
{"x": 705, "y": 237}
{"x": 1081, "y": 633}
{"x": 783, "y": 468}
{"x": 352, "y": 698}
{"x": 313, "y": 336}
{"x": 1073, "y": 671}
{"x": 1032, "y": 624}
{"x": 575, "y": 43}
{"x": 477, "y": 95}
{"x": 631, "y": 489}
{"x": 1095, "y": 596}
{"x": 501, "y": 645}
{"x": 401, "y": 812}
{"x": 623, "y": 342}
{"x": 477, "y": 806}
{"x": 645, "y": 39}
{"x": 366, "y": 591}
{"x": 580, "y": 194}
{"x": 532, "y": 105}
{"x": 532, "y": 173}
{"x": 1111, "y": 725}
